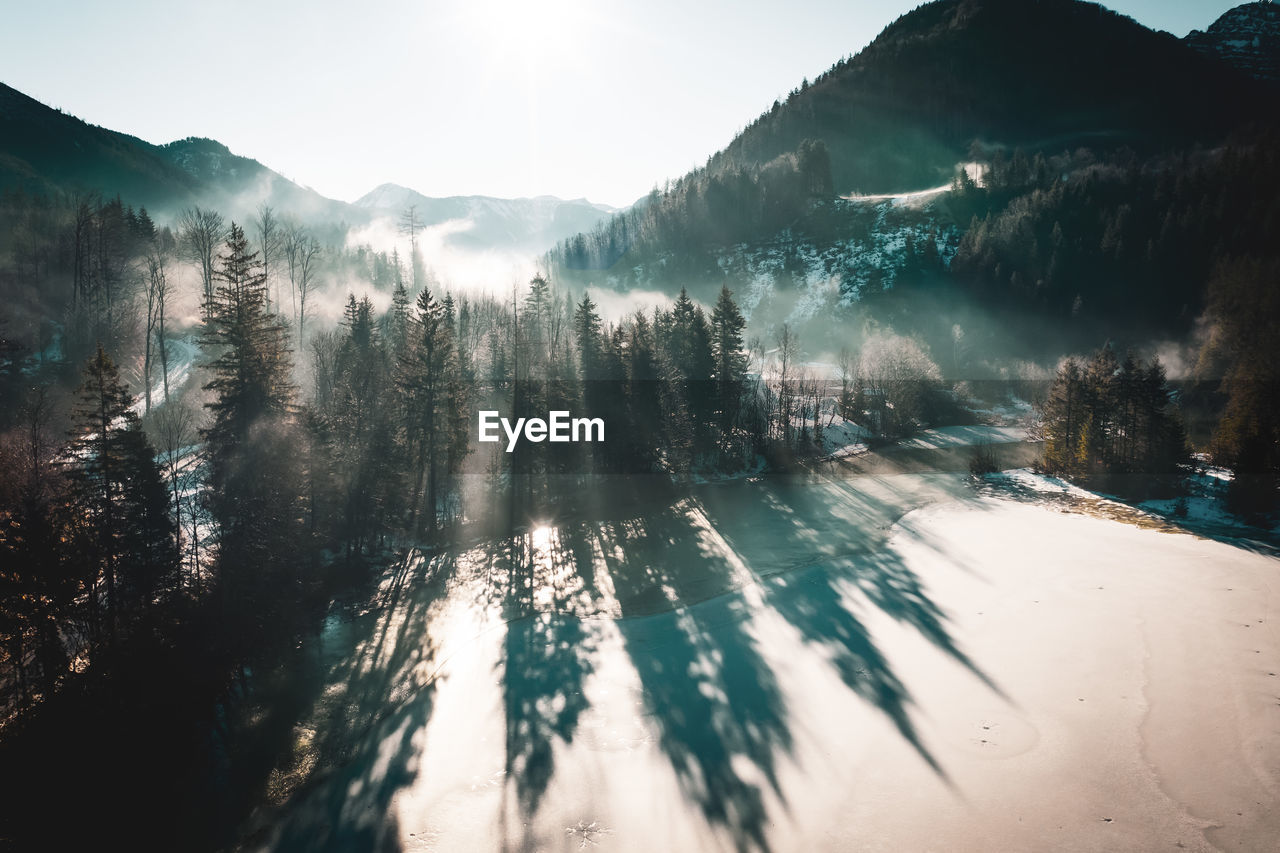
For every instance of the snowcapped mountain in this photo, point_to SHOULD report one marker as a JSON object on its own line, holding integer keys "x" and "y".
{"x": 522, "y": 224}
{"x": 1246, "y": 37}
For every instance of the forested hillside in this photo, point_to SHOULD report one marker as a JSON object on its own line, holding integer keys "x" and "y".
{"x": 899, "y": 116}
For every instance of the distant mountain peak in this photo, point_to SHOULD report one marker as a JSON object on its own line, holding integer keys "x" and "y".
{"x": 522, "y": 224}
{"x": 1246, "y": 37}
{"x": 392, "y": 195}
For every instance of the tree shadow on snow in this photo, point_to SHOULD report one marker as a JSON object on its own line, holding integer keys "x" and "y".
{"x": 360, "y": 747}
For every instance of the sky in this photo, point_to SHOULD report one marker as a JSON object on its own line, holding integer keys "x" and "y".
{"x": 598, "y": 99}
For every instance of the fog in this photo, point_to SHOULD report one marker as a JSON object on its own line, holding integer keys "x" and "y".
{"x": 455, "y": 267}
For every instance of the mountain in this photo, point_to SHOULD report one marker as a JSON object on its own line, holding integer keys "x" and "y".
{"x": 951, "y": 81}
{"x": 240, "y": 182}
{"x": 44, "y": 150}
{"x": 521, "y": 224}
{"x": 1107, "y": 172}
{"x": 1051, "y": 74}
{"x": 1246, "y": 37}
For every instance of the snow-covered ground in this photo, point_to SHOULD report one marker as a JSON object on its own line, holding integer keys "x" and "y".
{"x": 1012, "y": 412}
{"x": 895, "y": 662}
{"x": 1203, "y": 510}
{"x": 916, "y": 198}
{"x": 183, "y": 353}
{"x": 1205, "y": 504}
{"x": 961, "y": 436}
{"x": 811, "y": 280}
{"x": 842, "y": 438}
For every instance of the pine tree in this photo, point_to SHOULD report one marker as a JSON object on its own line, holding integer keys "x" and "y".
{"x": 97, "y": 474}
{"x": 1104, "y": 420}
{"x": 256, "y": 454}
{"x": 433, "y": 398}
{"x": 589, "y": 337}
{"x": 251, "y": 365}
{"x": 359, "y": 425}
{"x": 1063, "y": 421}
{"x": 689, "y": 349}
{"x": 730, "y": 360}
{"x": 536, "y": 326}
{"x": 1102, "y": 401}
{"x": 1164, "y": 440}
{"x": 150, "y": 533}
{"x": 398, "y": 319}
{"x": 120, "y": 499}
{"x": 586, "y": 326}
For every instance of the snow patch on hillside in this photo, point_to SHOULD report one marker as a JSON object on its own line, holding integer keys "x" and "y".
{"x": 821, "y": 279}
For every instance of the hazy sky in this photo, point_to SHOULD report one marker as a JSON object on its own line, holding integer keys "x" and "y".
{"x": 594, "y": 98}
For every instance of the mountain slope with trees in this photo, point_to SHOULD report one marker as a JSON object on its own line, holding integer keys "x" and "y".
{"x": 1109, "y": 169}
{"x": 1246, "y": 37}
{"x": 1047, "y": 75}
{"x": 45, "y": 151}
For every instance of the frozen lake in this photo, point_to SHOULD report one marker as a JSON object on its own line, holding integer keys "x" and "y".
{"x": 896, "y": 660}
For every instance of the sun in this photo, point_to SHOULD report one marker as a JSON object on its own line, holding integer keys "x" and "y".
{"x": 537, "y": 34}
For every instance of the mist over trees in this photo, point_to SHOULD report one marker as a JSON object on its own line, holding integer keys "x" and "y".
{"x": 311, "y": 439}
{"x": 216, "y": 434}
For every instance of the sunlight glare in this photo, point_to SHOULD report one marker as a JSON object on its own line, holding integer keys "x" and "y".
{"x": 535, "y": 34}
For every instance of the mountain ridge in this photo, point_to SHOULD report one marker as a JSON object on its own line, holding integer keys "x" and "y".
{"x": 44, "y": 150}
{"x": 1246, "y": 37}
{"x": 951, "y": 81}
{"x": 518, "y": 224}
{"x": 1132, "y": 138}
{"x": 900, "y": 113}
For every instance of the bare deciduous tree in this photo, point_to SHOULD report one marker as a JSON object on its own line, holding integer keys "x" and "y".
{"x": 270, "y": 242}
{"x": 788, "y": 351}
{"x": 410, "y": 225}
{"x": 200, "y": 233}
{"x": 175, "y": 431}
{"x": 302, "y": 252}
{"x": 898, "y": 376}
{"x": 156, "y": 259}
{"x": 847, "y": 364}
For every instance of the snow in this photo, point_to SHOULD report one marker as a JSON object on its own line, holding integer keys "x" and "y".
{"x": 842, "y": 438}
{"x": 873, "y": 663}
{"x": 917, "y": 198}
{"x": 816, "y": 280}
{"x": 183, "y": 353}
{"x": 962, "y": 436}
{"x": 1042, "y": 484}
{"x": 1205, "y": 505}
{"x": 1202, "y": 510}
{"x": 1013, "y": 411}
